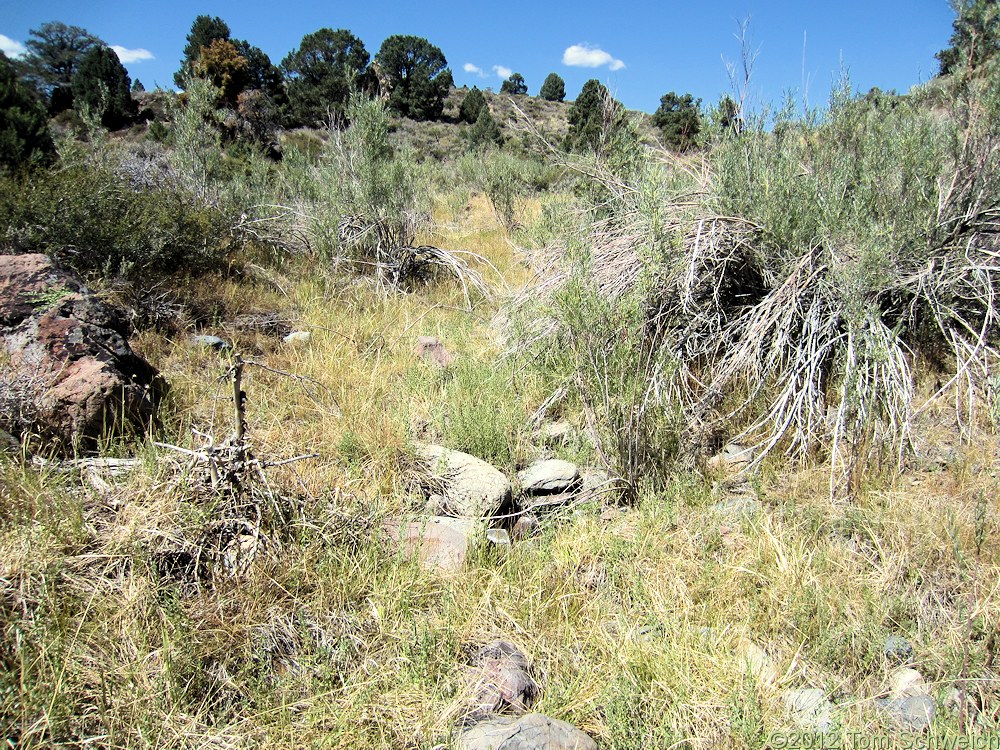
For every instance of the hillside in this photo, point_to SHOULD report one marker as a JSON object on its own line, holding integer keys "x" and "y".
{"x": 444, "y": 139}
{"x": 373, "y": 447}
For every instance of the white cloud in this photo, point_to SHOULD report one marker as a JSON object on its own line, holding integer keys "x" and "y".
{"x": 470, "y": 68}
{"x": 10, "y": 47}
{"x": 585, "y": 56}
{"x": 131, "y": 55}
{"x": 502, "y": 71}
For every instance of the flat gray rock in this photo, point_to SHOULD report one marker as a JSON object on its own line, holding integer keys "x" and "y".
{"x": 550, "y": 476}
{"x": 733, "y": 459}
{"x": 209, "y": 342}
{"x": 499, "y": 537}
{"x": 468, "y": 485}
{"x": 528, "y": 732}
{"x": 913, "y": 712}
{"x": 437, "y": 543}
{"x": 809, "y": 709}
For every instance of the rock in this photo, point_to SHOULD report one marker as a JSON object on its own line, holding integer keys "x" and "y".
{"x": 956, "y": 700}
{"x": 914, "y": 712}
{"x": 757, "y": 662}
{"x": 809, "y": 709}
{"x": 430, "y": 349}
{"x": 737, "y": 505}
{"x": 555, "y": 433}
{"x": 205, "y": 341}
{"x": 526, "y": 526}
{"x": 498, "y": 681}
{"x": 470, "y": 487}
{"x": 909, "y": 703}
{"x": 907, "y": 682}
{"x": 733, "y": 459}
{"x": 499, "y": 537}
{"x": 298, "y": 338}
{"x": 548, "y": 477}
{"x": 595, "y": 480}
{"x": 70, "y": 352}
{"x": 529, "y": 732}
{"x": 897, "y": 649}
{"x": 438, "y": 543}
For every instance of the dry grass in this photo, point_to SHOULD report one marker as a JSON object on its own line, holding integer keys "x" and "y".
{"x": 330, "y": 640}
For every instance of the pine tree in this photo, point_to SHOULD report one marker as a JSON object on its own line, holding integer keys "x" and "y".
{"x": 679, "y": 120}
{"x": 472, "y": 104}
{"x": 586, "y": 117}
{"x": 553, "y": 89}
{"x": 415, "y": 75}
{"x": 321, "y": 74}
{"x": 102, "y": 84}
{"x": 55, "y": 51}
{"x": 485, "y": 132}
{"x": 24, "y": 126}
{"x": 204, "y": 31}
{"x": 515, "y": 85}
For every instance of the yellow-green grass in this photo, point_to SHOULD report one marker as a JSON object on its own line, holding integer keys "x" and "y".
{"x": 332, "y": 640}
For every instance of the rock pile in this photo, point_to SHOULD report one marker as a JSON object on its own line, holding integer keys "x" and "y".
{"x": 69, "y": 352}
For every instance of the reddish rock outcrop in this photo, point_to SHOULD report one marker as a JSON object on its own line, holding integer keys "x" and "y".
{"x": 69, "y": 353}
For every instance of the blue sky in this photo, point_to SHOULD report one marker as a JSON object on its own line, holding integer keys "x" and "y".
{"x": 641, "y": 49}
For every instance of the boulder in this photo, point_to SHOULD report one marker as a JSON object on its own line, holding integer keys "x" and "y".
{"x": 498, "y": 537}
{"x": 914, "y": 713}
{"x": 897, "y": 649}
{"x": 498, "y": 681}
{"x": 297, "y": 338}
{"x": 469, "y": 486}
{"x": 430, "y": 349}
{"x": 756, "y": 662}
{"x": 528, "y": 732}
{"x": 437, "y": 543}
{"x": 549, "y": 477}
{"x": 206, "y": 341}
{"x": 84, "y": 381}
{"x": 809, "y": 709}
{"x": 733, "y": 459}
{"x": 909, "y": 703}
{"x": 526, "y": 526}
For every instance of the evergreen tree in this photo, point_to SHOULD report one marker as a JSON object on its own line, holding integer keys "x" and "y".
{"x": 415, "y": 75}
{"x": 553, "y": 89}
{"x": 102, "y": 84}
{"x": 137, "y": 87}
{"x": 679, "y": 120}
{"x": 322, "y": 73}
{"x": 975, "y": 37}
{"x": 473, "y": 102}
{"x": 227, "y": 70}
{"x": 485, "y": 132}
{"x": 728, "y": 116}
{"x": 262, "y": 74}
{"x": 54, "y": 54}
{"x": 586, "y": 117}
{"x": 24, "y": 126}
{"x": 514, "y": 85}
{"x": 204, "y": 31}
